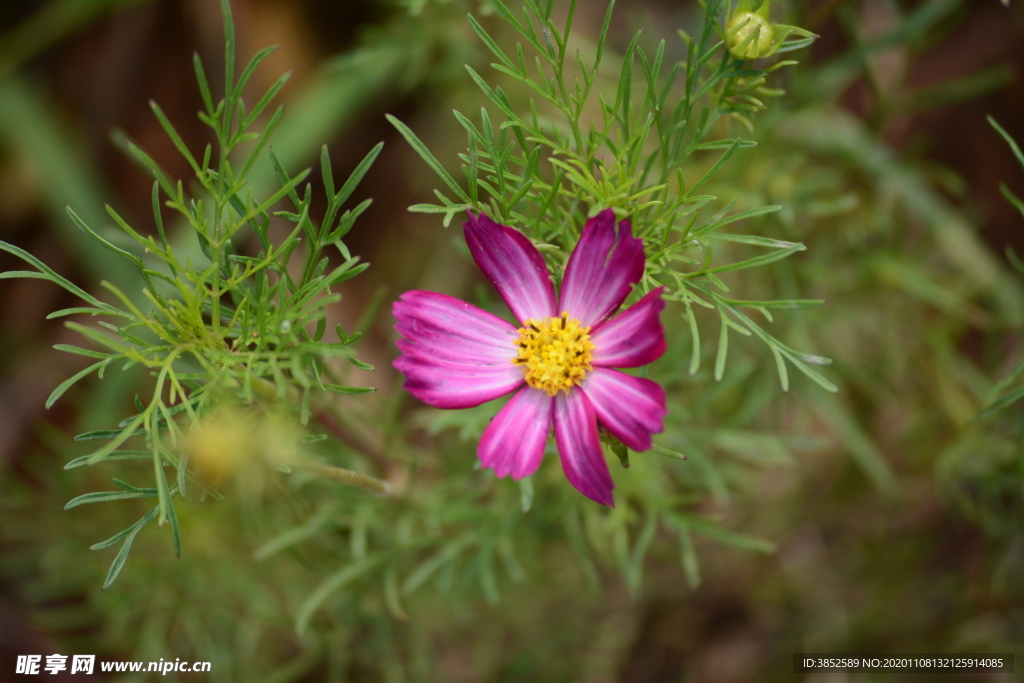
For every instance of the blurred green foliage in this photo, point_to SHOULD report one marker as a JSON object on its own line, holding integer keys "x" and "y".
{"x": 461, "y": 577}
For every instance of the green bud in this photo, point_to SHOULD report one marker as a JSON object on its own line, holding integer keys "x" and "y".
{"x": 749, "y": 36}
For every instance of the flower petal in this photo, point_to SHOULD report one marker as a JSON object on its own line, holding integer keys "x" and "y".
{"x": 514, "y": 441}
{"x": 443, "y": 384}
{"x": 514, "y": 266}
{"x": 454, "y": 354}
{"x": 453, "y": 329}
{"x": 634, "y": 337}
{"x": 631, "y": 408}
{"x": 602, "y": 269}
{"x": 579, "y": 447}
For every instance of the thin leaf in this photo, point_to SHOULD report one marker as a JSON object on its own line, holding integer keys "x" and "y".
{"x": 331, "y": 585}
{"x": 122, "y": 554}
{"x": 107, "y": 496}
{"x": 428, "y": 157}
{"x": 69, "y": 382}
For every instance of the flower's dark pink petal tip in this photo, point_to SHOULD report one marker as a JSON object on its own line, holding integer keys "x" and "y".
{"x": 633, "y": 338}
{"x": 579, "y": 447}
{"x": 454, "y": 355}
{"x": 631, "y": 408}
{"x": 514, "y": 441}
{"x": 603, "y": 268}
{"x": 513, "y": 265}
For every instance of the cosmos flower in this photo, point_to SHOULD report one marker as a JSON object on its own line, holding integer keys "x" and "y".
{"x": 558, "y": 362}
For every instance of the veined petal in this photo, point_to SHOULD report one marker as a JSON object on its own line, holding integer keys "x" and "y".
{"x": 444, "y": 384}
{"x": 634, "y": 337}
{"x": 631, "y": 408}
{"x": 514, "y": 441}
{"x": 602, "y": 269}
{"x": 453, "y": 329}
{"x": 579, "y": 447}
{"x": 514, "y": 266}
{"x": 454, "y": 354}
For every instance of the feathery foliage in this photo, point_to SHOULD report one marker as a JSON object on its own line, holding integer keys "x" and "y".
{"x": 643, "y": 142}
{"x": 217, "y": 325}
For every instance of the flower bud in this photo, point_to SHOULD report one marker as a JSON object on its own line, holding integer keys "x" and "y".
{"x": 230, "y": 440}
{"x": 749, "y": 35}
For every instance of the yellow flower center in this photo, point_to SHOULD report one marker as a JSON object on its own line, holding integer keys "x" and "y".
{"x": 554, "y": 353}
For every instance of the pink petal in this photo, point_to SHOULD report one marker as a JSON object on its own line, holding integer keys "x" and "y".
{"x": 579, "y": 447}
{"x": 443, "y": 384}
{"x": 453, "y": 329}
{"x": 454, "y": 355}
{"x": 631, "y": 408}
{"x": 514, "y": 266}
{"x": 514, "y": 441}
{"x": 602, "y": 269}
{"x": 634, "y": 337}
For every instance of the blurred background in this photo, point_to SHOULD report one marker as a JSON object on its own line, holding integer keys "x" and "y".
{"x": 897, "y": 520}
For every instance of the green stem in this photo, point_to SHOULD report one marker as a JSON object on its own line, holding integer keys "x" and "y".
{"x": 340, "y": 474}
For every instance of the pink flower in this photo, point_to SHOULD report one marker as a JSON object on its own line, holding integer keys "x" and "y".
{"x": 559, "y": 363}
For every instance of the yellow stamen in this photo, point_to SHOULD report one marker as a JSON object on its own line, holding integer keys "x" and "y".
{"x": 554, "y": 353}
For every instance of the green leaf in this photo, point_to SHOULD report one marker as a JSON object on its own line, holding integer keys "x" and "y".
{"x": 331, "y": 585}
{"x": 166, "y": 505}
{"x": 107, "y": 496}
{"x": 489, "y": 42}
{"x": 366, "y": 367}
{"x": 250, "y": 69}
{"x": 204, "y": 83}
{"x": 427, "y": 568}
{"x": 726, "y": 144}
{"x": 723, "y": 346}
{"x": 752, "y": 239}
{"x": 859, "y": 445}
{"x": 716, "y": 168}
{"x": 620, "y": 451}
{"x": 624, "y": 93}
{"x": 104, "y": 434}
{"x": 782, "y": 303}
{"x": 67, "y": 384}
{"x": 68, "y": 348}
{"x": 93, "y": 234}
{"x": 391, "y": 596}
{"x": 757, "y": 261}
{"x": 1002, "y": 402}
{"x": 351, "y": 391}
{"x": 345, "y": 271}
{"x": 526, "y": 493}
{"x": 128, "y": 432}
{"x": 122, "y": 554}
{"x": 717, "y": 533}
{"x": 667, "y": 452}
{"x": 1014, "y": 147}
{"x": 688, "y": 557}
{"x": 32, "y": 127}
{"x": 122, "y": 140}
{"x": 286, "y": 539}
{"x": 485, "y": 572}
{"x": 80, "y": 309}
{"x": 771, "y": 208}
{"x": 1012, "y": 198}
{"x": 47, "y": 273}
{"x": 428, "y": 157}
{"x": 116, "y": 455}
{"x": 229, "y": 56}
{"x": 179, "y": 144}
{"x": 358, "y": 174}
